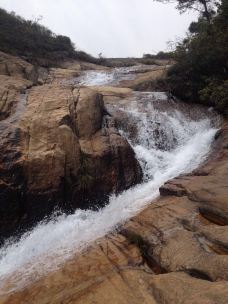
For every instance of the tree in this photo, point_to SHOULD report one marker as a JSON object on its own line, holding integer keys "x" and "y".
{"x": 206, "y": 8}
{"x": 201, "y": 70}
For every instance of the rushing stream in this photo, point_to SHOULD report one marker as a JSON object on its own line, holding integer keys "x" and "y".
{"x": 169, "y": 138}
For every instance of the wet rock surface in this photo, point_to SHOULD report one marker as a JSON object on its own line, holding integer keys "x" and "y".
{"x": 140, "y": 77}
{"x": 11, "y": 89}
{"x": 175, "y": 251}
{"x": 59, "y": 147}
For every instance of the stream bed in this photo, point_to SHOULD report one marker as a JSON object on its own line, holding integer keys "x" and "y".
{"x": 169, "y": 138}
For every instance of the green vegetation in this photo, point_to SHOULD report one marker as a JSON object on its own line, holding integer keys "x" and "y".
{"x": 160, "y": 55}
{"x": 201, "y": 70}
{"x": 85, "y": 178}
{"x": 148, "y": 61}
{"x": 35, "y": 42}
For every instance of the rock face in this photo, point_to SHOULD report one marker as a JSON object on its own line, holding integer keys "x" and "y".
{"x": 14, "y": 66}
{"x": 16, "y": 75}
{"x": 59, "y": 148}
{"x": 10, "y": 90}
{"x": 175, "y": 251}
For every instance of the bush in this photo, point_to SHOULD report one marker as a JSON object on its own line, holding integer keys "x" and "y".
{"x": 35, "y": 42}
{"x": 159, "y": 55}
{"x": 148, "y": 61}
{"x": 216, "y": 94}
{"x": 201, "y": 72}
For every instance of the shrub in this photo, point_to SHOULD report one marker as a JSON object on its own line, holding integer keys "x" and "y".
{"x": 36, "y": 42}
{"x": 201, "y": 71}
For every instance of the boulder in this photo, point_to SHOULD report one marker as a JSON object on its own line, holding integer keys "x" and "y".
{"x": 88, "y": 113}
{"x": 59, "y": 145}
{"x": 146, "y": 81}
{"x": 61, "y": 151}
{"x": 19, "y": 68}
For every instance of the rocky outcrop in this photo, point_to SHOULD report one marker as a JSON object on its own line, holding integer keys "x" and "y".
{"x": 14, "y": 66}
{"x": 19, "y": 68}
{"x": 175, "y": 251}
{"x": 11, "y": 89}
{"x": 59, "y": 148}
{"x": 147, "y": 80}
{"x": 16, "y": 75}
{"x": 81, "y": 65}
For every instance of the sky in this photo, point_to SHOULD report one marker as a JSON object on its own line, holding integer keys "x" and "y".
{"x": 115, "y": 28}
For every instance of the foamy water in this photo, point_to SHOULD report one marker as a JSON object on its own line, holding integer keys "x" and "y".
{"x": 167, "y": 144}
{"x": 110, "y": 77}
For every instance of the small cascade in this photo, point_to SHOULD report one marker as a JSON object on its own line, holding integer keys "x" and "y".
{"x": 110, "y": 77}
{"x": 169, "y": 138}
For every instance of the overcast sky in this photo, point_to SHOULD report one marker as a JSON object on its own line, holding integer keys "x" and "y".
{"x": 115, "y": 28}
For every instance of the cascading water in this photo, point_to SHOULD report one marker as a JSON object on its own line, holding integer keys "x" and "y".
{"x": 168, "y": 140}
{"x": 110, "y": 77}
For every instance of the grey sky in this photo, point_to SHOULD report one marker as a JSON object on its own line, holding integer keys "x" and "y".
{"x": 117, "y": 28}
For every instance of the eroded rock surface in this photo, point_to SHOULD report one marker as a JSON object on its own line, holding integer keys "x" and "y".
{"x": 59, "y": 146}
{"x": 147, "y": 80}
{"x": 175, "y": 251}
{"x": 10, "y": 90}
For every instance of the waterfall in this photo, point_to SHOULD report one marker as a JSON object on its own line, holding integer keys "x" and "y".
{"x": 169, "y": 139}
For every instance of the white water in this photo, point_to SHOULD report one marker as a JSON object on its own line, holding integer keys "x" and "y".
{"x": 110, "y": 77}
{"x": 51, "y": 243}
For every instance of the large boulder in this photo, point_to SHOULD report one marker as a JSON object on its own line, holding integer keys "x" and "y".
{"x": 63, "y": 150}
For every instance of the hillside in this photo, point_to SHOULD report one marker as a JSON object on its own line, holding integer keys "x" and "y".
{"x": 35, "y": 42}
